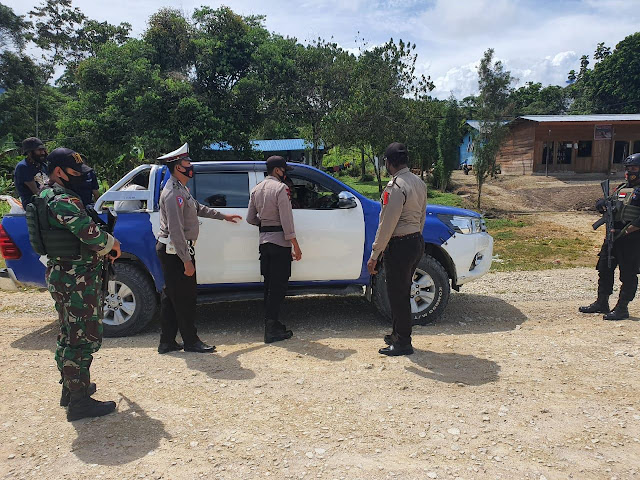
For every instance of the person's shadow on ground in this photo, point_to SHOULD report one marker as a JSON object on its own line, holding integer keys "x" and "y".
{"x": 118, "y": 438}
{"x": 453, "y": 368}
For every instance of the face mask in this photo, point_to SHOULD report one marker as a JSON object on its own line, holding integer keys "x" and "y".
{"x": 188, "y": 171}
{"x": 74, "y": 181}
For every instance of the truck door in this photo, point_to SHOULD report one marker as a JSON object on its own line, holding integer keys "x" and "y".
{"x": 331, "y": 238}
{"x": 226, "y": 252}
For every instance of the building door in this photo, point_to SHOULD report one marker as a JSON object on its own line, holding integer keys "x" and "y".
{"x": 620, "y": 151}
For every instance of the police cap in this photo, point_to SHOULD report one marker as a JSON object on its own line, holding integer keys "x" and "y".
{"x": 178, "y": 154}
{"x": 65, "y": 157}
{"x": 276, "y": 161}
{"x": 396, "y": 153}
{"x": 30, "y": 144}
{"x": 632, "y": 160}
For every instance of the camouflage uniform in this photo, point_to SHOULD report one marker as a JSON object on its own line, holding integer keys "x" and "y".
{"x": 75, "y": 285}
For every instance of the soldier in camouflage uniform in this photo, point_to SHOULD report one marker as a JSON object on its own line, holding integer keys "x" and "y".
{"x": 75, "y": 284}
{"x": 625, "y": 251}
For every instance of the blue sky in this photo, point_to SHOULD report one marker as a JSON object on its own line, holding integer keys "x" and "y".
{"x": 537, "y": 40}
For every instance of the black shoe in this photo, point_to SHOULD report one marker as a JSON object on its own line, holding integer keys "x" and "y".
{"x": 271, "y": 336}
{"x": 169, "y": 347}
{"x": 396, "y": 350}
{"x": 200, "y": 347}
{"x": 83, "y": 406}
{"x": 66, "y": 395}
{"x": 619, "y": 312}
{"x": 601, "y": 305}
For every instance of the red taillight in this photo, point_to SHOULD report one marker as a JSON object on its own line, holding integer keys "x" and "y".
{"x": 8, "y": 248}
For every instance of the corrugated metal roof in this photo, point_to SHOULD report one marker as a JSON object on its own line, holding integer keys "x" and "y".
{"x": 475, "y": 124}
{"x": 282, "y": 145}
{"x": 582, "y": 118}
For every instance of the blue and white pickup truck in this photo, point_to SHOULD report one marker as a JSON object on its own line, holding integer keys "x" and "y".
{"x": 335, "y": 226}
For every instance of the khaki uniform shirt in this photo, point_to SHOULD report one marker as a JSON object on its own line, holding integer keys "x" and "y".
{"x": 404, "y": 208}
{"x": 270, "y": 205}
{"x": 179, "y": 213}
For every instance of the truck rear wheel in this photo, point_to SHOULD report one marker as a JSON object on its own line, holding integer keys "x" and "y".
{"x": 429, "y": 292}
{"x": 131, "y": 302}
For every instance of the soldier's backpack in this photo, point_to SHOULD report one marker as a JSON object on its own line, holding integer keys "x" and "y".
{"x": 46, "y": 239}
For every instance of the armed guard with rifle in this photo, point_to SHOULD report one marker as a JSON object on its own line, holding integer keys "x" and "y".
{"x": 61, "y": 228}
{"x": 621, "y": 214}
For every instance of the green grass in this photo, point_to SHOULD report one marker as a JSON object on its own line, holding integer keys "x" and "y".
{"x": 370, "y": 190}
{"x": 532, "y": 244}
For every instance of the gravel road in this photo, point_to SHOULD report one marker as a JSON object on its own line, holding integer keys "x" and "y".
{"x": 512, "y": 383}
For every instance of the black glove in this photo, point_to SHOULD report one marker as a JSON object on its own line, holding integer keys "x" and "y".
{"x": 600, "y": 205}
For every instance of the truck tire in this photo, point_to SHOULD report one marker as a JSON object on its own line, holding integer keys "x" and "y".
{"x": 131, "y": 303}
{"x": 429, "y": 293}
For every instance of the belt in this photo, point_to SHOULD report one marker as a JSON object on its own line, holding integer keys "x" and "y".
{"x": 408, "y": 236}
{"x": 167, "y": 241}
{"x": 271, "y": 228}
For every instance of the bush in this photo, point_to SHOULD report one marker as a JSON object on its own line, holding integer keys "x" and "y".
{"x": 368, "y": 177}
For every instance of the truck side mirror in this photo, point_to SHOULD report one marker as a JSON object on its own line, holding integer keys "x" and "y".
{"x": 347, "y": 200}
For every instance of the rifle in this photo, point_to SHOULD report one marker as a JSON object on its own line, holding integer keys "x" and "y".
{"x": 108, "y": 272}
{"x": 610, "y": 207}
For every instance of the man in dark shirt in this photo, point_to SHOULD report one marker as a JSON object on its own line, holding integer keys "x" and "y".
{"x": 89, "y": 190}
{"x": 30, "y": 171}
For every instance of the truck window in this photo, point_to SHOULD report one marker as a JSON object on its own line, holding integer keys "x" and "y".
{"x": 223, "y": 189}
{"x": 311, "y": 195}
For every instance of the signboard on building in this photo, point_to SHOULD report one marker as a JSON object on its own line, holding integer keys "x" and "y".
{"x": 603, "y": 132}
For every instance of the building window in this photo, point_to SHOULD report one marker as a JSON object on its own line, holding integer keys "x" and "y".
{"x": 584, "y": 148}
{"x": 547, "y": 152}
{"x": 563, "y": 156}
{"x": 636, "y": 146}
{"x": 620, "y": 151}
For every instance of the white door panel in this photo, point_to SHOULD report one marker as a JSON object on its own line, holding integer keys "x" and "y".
{"x": 332, "y": 244}
{"x": 227, "y": 252}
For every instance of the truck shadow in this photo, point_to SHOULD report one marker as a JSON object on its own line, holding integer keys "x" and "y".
{"x": 118, "y": 438}
{"x": 312, "y": 318}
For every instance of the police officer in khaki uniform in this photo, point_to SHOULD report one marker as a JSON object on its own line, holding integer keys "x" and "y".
{"x": 179, "y": 228}
{"x": 625, "y": 251}
{"x": 399, "y": 236}
{"x": 270, "y": 209}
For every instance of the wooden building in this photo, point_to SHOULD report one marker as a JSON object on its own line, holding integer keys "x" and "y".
{"x": 569, "y": 143}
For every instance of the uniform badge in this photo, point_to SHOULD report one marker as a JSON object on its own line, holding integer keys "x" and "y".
{"x": 180, "y": 201}
{"x": 289, "y": 192}
{"x": 385, "y": 198}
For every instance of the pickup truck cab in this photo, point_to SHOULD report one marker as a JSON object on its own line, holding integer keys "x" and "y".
{"x": 335, "y": 226}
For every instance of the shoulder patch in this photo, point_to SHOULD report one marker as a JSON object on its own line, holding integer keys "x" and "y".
{"x": 180, "y": 200}
{"x": 385, "y": 197}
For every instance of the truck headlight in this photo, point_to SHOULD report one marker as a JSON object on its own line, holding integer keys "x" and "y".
{"x": 463, "y": 224}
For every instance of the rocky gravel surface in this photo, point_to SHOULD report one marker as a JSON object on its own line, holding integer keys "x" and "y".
{"x": 512, "y": 383}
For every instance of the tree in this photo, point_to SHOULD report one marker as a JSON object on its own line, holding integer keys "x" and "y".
{"x": 494, "y": 83}
{"x": 13, "y": 29}
{"x": 171, "y": 36}
{"x": 533, "y": 99}
{"x": 448, "y": 144}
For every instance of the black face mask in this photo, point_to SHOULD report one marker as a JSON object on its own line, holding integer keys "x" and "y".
{"x": 74, "y": 181}
{"x": 188, "y": 171}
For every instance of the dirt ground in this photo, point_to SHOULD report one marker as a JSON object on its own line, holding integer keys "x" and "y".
{"x": 511, "y": 383}
{"x": 534, "y": 193}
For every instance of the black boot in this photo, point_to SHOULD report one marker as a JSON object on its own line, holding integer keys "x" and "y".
{"x": 275, "y": 331}
{"x": 66, "y": 395}
{"x": 601, "y": 305}
{"x": 82, "y": 405}
{"x": 619, "y": 312}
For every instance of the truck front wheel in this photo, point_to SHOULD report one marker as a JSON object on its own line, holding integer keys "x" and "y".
{"x": 430, "y": 292}
{"x": 131, "y": 302}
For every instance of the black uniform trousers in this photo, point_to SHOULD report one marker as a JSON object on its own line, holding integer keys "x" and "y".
{"x": 626, "y": 256}
{"x": 401, "y": 258}
{"x": 275, "y": 267}
{"x": 178, "y": 299}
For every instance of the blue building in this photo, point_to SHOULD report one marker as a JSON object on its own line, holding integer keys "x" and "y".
{"x": 466, "y": 149}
